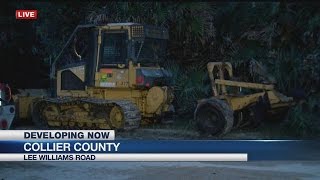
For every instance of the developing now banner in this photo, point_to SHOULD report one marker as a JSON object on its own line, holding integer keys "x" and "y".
{"x": 101, "y": 145}
{"x": 91, "y": 145}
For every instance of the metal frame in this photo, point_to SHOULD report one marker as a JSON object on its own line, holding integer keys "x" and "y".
{"x": 237, "y": 101}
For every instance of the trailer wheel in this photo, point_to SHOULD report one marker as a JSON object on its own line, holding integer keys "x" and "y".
{"x": 213, "y": 116}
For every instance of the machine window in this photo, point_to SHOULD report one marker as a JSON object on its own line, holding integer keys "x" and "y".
{"x": 114, "y": 49}
{"x": 70, "y": 81}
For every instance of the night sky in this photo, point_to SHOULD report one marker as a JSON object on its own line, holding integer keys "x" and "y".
{"x": 20, "y": 68}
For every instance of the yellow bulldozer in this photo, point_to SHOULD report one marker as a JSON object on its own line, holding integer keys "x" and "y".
{"x": 116, "y": 84}
{"x": 230, "y": 107}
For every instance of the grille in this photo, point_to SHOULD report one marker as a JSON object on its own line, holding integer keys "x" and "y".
{"x": 137, "y": 31}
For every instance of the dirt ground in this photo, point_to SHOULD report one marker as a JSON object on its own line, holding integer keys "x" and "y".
{"x": 159, "y": 170}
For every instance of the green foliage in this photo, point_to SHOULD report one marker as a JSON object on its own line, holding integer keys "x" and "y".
{"x": 303, "y": 119}
{"x": 190, "y": 85}
{"x": 287, "y": 70}
{"x": 55, "y": 24}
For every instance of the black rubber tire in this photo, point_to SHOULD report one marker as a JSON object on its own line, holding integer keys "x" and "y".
{"x": 213, "y": 116}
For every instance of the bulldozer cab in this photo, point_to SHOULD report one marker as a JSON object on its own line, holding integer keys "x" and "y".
{"x": 118, "y": 43}
{"x": 115, "y": 55}
{"x": 121, "y": 42}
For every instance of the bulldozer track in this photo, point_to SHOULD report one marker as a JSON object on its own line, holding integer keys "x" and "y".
{"x": 130, "y": 112}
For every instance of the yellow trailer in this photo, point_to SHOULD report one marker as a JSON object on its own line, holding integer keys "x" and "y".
{"x": 229, "y": 108}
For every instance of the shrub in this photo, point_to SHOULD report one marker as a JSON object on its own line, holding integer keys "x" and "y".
{"x": 303, "y": 119}
{"x": 190, "y": 85}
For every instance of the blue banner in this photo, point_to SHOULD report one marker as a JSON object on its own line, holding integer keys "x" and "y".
{"x": 256, "y": 149}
